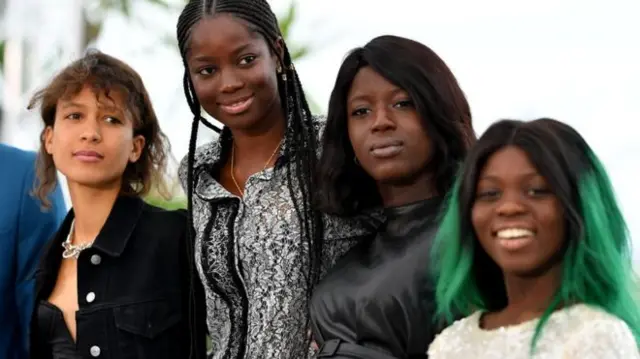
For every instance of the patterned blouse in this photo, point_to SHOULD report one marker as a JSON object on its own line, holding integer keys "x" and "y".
{"x": 249, "y": 259}
{"x": 577, "y": 332}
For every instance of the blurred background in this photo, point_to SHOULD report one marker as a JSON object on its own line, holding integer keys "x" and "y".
{"x": 575, "y": 60}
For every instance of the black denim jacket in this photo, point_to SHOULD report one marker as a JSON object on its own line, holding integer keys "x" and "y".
{"x": 138, "y": 293}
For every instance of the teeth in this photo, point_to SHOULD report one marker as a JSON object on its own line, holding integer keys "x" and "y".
{"x": 514, "y": 233}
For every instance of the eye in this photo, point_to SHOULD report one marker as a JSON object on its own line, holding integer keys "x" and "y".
{"x": 74, "y": 116}
{"x": 247, "y": 59}
{"x": 487, "y": 194}
{"x": 206, "y": 71}
{"x": 538, "y": 191}
{"x": 112, "y": 120}
{"x": 359, "y": 112}
{"x": 403, "y": 103}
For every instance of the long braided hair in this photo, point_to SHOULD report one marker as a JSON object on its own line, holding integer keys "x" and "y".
{"x": 300, "y": 144}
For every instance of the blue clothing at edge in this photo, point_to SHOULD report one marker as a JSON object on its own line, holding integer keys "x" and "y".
{"x": 24, "y": 230}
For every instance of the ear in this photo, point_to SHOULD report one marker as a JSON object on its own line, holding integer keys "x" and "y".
{"x": 138, "y": 146}
{"x": 279, "y": 47}
{"x": 48, "y": 139}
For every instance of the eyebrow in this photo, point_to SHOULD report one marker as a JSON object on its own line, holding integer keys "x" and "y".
{"x": 69, "y": 104}
{"x": 362, "y": 96}
{"x": 524, "y": 175}
{"x": 207, "y": 58}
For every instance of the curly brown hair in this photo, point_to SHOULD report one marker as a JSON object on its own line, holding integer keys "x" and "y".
{"x": 104, "y": 73}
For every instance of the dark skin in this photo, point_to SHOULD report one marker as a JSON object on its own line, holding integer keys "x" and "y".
{"x": 512, "y": 194}
{"x": 234, "y": 73}
{"x": 389, "y": 139}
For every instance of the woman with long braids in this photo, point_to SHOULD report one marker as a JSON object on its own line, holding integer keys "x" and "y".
{"x": 534, "y": 250}
{"x": 260, "y": 247}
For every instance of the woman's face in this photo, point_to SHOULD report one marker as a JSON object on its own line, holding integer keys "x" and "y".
{"x": 92, "y": 140}
{"x": 386, "y": 132}
{"x": 517, "y": 219}
{"x": 233, "y": 71}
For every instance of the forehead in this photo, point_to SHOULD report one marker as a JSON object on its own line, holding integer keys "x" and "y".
{"x": 221, "y": 34}
{"x": 368, "y": 82}
{"x": 509, "y": 161}
{"x": 88, "y": 94}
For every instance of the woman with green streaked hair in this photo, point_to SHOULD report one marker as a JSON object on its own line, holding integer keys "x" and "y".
{"x": 534, "y": 250}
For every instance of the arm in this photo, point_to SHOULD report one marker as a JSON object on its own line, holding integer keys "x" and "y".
{"x": 605, "y": 338}
{"x": 35, "y": 227}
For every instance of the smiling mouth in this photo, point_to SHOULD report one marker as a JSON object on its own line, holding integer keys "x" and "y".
{"x": 237, "y": 107}
{"x": 513, "y": 239}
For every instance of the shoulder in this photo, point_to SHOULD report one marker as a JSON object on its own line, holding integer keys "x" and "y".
{"x": 598, "y": 334}
{"x": 319, "y": 123}
{"x": 163, "y": 220}
{"x": 452, "y": 336}
{"x": 205, "y": 155}
{"x": 16, "y": 154}
{"x": 158, "y": 213}
{"x": 20, "y": 161}
{"x": 340, "y": 227}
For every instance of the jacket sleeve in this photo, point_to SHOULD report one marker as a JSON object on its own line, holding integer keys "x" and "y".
{"x": 36, "y": 226}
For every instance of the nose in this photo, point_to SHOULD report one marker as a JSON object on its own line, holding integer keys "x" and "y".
{"x": 511, "y": 205}
{"x": 230, "y": 81}
{"x": 91, "y": 131}
{"x": 383, "y": 121}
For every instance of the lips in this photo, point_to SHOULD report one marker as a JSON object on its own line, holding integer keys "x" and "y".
{"x": 387, "y": 148}
{"x": 514, "y": 238}
{"x": 237, "y": 106}
{"x": 88, "y": 156}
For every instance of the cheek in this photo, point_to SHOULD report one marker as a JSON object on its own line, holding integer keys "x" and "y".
{"x": 356, "y": 138}
{"x": 263, "y": 77}
{"x": 204, "y": 90}
{"x": 421, "y": 146}
{"x": 120, "y": 143}
{"x": 476, "y": 219}
{"x": 556, "y": 224}
{"x": 60, "y": 139}
{"x": 480, "y": 222}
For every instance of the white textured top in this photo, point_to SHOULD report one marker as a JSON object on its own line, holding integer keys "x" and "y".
{"x": 578, "y": 332}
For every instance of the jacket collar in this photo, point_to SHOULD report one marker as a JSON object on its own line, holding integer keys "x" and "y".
{"x": 111, "y": 240}
{"x": 114, "y": 235}
{"x": 120, "y": 224}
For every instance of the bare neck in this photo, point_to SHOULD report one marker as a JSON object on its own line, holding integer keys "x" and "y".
{"x": 529, "y": 297}
{"x": 394, "y": 195}
{"x": 91, "y": 208}
{"x": 254, "y": 149}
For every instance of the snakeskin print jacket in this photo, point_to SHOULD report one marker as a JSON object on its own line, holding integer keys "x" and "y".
{"x": 248, "y": 257}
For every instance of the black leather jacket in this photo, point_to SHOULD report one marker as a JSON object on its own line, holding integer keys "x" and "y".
{"x": 378, "y": 302}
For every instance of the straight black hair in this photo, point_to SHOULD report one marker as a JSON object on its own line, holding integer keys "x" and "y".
{"x": 344, "y": 187}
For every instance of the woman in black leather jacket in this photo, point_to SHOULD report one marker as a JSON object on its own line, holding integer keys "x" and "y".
{"x": 397, "y": 128}
{"x": 117, "y": 280}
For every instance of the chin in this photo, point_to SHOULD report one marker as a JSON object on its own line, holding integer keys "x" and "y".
{"x": 93, "y": 180}
{"x": 385, "y": 171}
{"x": 391, "y": 174}
{"x": 244, "y": 122}
{"x": 520, "y": 269}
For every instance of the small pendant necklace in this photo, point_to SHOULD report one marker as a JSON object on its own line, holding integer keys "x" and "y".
{"x": 71, "y": 250}
{"x": 233, "y": 177}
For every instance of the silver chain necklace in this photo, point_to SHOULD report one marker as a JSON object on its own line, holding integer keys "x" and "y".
{"x": 71, "y": 250}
